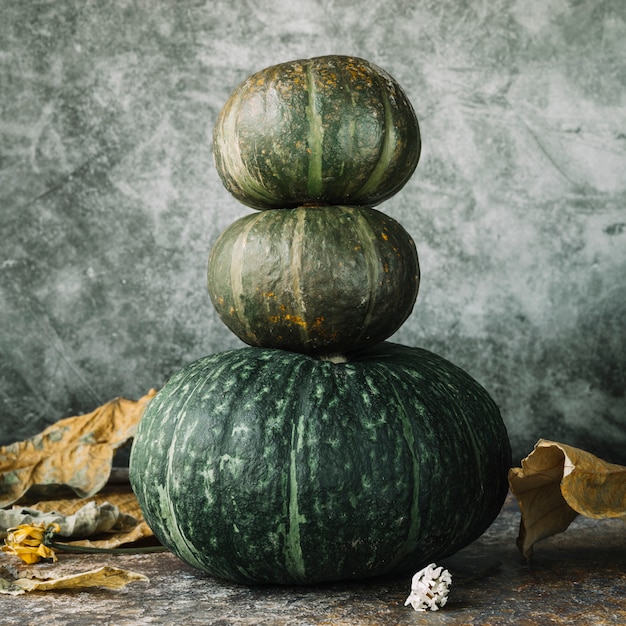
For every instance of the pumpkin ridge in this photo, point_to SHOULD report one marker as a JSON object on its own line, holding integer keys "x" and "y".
{"x": 236, "y": 279}
{"x": 183, "y": 544}
{"x": 297, "y": 567}
{"x": 387, "y": 151}
{"x": 297, "y": 250}
{"x": 238, "y": 178}
{"x": 315, "y": 136}
{"x": 413, "y": 533}
{"x": 373, "y": 271}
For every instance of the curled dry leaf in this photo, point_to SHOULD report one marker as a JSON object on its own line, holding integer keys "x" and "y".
{"x": 98, "y": 523}
{"x": 76, "y": 451}
{"x": 91, "y": 519}
{"x": 119, "y": 535}
{"x": 556, "y": 483}
{"x": 107, "y": 577}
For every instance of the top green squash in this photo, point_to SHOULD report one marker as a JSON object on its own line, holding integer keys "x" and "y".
{"x": 323, "y": 131}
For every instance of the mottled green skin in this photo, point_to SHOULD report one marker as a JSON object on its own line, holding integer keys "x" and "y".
{"x": 317, "y": 280}
{"x": 327, "y": 130}
{"x": 266, "y": 466}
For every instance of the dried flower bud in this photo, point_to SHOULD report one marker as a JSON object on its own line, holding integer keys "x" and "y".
{"x": 27, "y": 542}
{"x": 429, "y": 588}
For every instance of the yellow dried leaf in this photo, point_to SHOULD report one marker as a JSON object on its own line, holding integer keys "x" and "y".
{"x": 107, "y": 577}
{"x": 76, "y": 451}
{"x": 556, "y": 483}
{"x": 140, "y": 532}
{"x": 121, "y": 495}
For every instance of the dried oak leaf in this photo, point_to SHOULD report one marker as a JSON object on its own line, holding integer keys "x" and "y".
{"x": 558, "y": 482}
{"x": 76, "y": 451}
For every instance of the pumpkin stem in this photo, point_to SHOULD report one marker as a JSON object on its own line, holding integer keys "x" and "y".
{"x": 334, "y": 358}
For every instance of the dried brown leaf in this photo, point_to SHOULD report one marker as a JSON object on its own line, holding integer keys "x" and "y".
{"x": 76, "y": 451}
{"x": 558, "y": 482}
{"x": 122, "y": 496}
{"x": 123, "y": 499}
{"x": 141, "y": 532}
{"x": 107, "y": 577}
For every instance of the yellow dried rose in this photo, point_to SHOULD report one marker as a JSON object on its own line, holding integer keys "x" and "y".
{"x": 27, "y": 542}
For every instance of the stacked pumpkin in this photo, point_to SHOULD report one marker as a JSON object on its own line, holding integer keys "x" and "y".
{"x": 320, "y": 452}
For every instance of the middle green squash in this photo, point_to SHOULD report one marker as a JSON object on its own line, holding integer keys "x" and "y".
{"x": 317, "y": 280}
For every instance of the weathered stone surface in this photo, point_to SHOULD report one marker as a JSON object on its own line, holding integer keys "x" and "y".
{"x": 576, "y": 579}
{"x": 109, "y": 201}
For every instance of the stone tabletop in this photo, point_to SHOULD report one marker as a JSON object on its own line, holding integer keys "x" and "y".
{"x": 577, "y": 578}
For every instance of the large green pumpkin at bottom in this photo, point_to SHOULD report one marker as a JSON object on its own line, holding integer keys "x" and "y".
{"x": 260, "y": 465}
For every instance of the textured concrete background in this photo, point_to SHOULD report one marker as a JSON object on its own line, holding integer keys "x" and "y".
{"x": 109, "y": 201}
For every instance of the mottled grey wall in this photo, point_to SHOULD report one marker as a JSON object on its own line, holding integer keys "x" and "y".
{"x": 109, "y": 201}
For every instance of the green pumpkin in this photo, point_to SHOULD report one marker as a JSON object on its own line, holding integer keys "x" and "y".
{"x": 318, "y": 280}
{"x": 267, "y": 466}
{"x": 327, "y": 130}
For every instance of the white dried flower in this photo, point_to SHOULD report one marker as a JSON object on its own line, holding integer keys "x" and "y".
{"x": 429, "y": 588}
